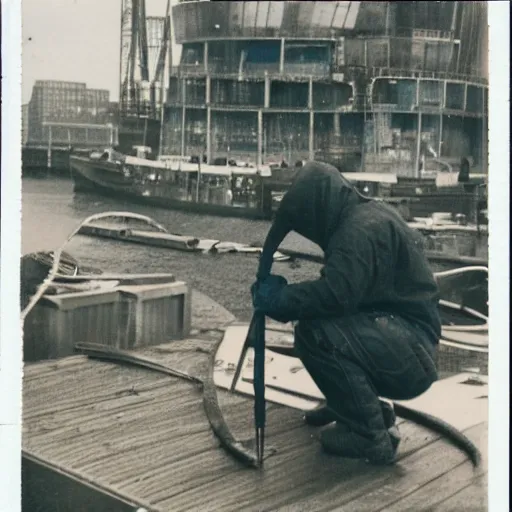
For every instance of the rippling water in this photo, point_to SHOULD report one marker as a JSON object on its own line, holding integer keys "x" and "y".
{"x": 51, "y": 210}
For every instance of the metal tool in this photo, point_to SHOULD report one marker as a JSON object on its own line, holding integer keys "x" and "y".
{"x": 259, "y": 384}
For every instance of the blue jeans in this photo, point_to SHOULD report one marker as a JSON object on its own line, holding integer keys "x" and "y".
{"x": 356, "y": 359}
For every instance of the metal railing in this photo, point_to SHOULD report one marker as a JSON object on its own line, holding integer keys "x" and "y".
{"x": 319, "y": 70}
{"x": 384, "y": 72}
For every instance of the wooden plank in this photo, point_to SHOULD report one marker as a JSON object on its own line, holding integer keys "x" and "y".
{"x": 204, "y": 470}
{"x": 437, "y": 490}
{"x": 202, "y": 443}
{"x": 472, "y": 498}
{"x": 439, "y": 462}
{"x": 289, "y": 476}
{"x": 145, "y": 435}
{"x": 422, "y": 456}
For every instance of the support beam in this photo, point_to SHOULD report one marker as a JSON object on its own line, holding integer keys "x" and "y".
{"x": 418, "y": 147}
{"x": 337, "y": 127}
{"x": 485, "y": 137}
{"x": 208, "y": 135}
{"x": 260, "y": 138}
{"x": 205, "y": 56}
{"x": 311, "y": 135}
{"x": 49, "y": 153}
{"x": 454, "y": 18}
{"x": 440, "y": 145}
{"x": 310, "y": 93}
{"x": 183, "y": 115}
{"x": 281, "y": 57}
{"x": 183, "y": 121}
{"x": 266, "y": 101}
{"x": 208, "y": 92}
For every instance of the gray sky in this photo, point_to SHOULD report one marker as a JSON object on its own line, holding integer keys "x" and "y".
{"x": 75, "y": 40}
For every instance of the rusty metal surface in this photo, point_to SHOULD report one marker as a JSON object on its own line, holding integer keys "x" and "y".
{"x": 144, "y": 436}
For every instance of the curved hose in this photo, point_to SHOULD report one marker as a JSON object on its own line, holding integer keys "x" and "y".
{"x": 210, "y": 399}
{"x": 441, "y": 427}
{"x": 207, "y": 385}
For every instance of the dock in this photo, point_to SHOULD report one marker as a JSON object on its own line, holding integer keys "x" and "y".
{"x": 101, "y": 436}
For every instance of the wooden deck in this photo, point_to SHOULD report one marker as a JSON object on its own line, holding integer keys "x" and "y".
{"x": 144, "y": 438}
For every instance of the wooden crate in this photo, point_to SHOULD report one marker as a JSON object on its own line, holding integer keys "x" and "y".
{"x": 143, "y": 313}
{"x": 58, "y": 322}
{"x": 157, "y": 313}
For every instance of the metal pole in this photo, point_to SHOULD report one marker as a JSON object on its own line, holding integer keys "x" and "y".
{"x": 418, "y": 147}
{"x": 121, "y": 60}
{"x": 208, "y": 135}
{"x": 145, "y": 131}
{"x": 161, "y": 138}
{"x": 311, "y": 135}
{"x": 162, "y": 85}
{"x": 260, "y": 138}
{"x": 183, "y": 116}
{"x": 198, "y": 178}
{"x": 440, "y": 145}
{"x": 281, "y": 57}
{"x": 49, "y": 153}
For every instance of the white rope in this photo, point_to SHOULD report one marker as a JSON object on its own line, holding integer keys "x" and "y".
{"x": 58, "y": 254}
{"x": 460, "y": 270}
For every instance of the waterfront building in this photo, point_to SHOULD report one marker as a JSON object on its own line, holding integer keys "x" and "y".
{"x": 386, "y": 86}
{"x": 67, "y": 114}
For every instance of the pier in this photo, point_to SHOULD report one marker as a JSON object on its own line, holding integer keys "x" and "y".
{"x": 102, "y": 436}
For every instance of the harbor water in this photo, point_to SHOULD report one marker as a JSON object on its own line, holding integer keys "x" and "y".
{"x": 51, "y": 211}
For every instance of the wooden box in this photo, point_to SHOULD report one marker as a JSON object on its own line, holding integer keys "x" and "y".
{"x": 157, "y": 313}
{"x": 127, "y": 316}
{"x": 58, "y": 322}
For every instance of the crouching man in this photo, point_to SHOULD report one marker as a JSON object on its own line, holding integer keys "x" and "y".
{"x": 369, "y": 326}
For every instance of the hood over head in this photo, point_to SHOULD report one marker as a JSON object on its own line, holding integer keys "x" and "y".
{"x": 318, "y": 198}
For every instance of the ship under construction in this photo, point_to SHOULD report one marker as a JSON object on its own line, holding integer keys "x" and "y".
{"x": 367, "y": 86}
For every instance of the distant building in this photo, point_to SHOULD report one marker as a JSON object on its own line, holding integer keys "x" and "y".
{"x": 68, "y": 113}
{"x": 24, "y": 124}
{"x": 387, "y": 86}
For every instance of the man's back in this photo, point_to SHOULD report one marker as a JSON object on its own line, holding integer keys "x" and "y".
{"x": 401, "y": 280}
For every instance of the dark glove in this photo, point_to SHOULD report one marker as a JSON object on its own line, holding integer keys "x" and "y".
{"x": 266, "y": 296}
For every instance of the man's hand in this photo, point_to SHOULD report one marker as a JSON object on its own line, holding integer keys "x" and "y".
{"x": 266, "y": 296}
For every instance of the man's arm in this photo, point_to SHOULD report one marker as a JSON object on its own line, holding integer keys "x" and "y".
{"x": 344, "y": 280}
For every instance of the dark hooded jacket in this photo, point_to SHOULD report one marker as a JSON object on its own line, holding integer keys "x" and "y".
{"x": 373, "y": 261}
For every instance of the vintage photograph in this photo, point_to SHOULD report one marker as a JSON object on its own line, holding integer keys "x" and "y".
{"x": 254, "y": 270}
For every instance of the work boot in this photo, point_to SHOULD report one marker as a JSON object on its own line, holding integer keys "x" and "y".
{"x": 336, "y": 440}
{"x": 323, "y": 415}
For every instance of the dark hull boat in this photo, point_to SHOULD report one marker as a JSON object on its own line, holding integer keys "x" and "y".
{"x": 156, "y": 184}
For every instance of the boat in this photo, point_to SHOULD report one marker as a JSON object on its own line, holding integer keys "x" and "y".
{"x": 141, "y": 229}
{"x": 181, "y": 183}
{"x": 451, "y": 236}
{"x": 176, "y": 184}
{"x": 35, "y": 267}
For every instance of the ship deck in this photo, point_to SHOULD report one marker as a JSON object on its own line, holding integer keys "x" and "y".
{"x": 116, "y": 437}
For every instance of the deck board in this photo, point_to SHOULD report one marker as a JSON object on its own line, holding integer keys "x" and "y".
{"x": 145, "y": 436}
{"x": 471, "y": 498}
